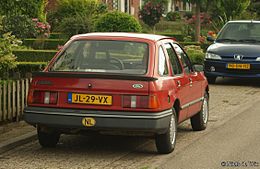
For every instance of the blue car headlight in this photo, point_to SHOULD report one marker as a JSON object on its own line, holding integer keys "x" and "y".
{"x": 258, "y": 59}
{"x": 212, "y": 56}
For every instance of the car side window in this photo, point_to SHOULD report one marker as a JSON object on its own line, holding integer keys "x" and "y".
{"x": 163, "y": 68}
{"x": 184, "y": 58}
{"x": 176, "y": 66}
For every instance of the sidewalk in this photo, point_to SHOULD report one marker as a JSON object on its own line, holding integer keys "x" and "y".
{"x": 15, "y": 134}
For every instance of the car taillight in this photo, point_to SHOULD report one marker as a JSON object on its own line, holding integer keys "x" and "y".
{"x": 43, "y": 97}
{"x": 145, "y": 102}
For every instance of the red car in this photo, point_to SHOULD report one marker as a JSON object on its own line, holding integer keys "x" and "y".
{"x": 118, "y": 82}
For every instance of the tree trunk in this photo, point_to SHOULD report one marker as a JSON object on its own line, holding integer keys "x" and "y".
{"x": 197, "y": 22}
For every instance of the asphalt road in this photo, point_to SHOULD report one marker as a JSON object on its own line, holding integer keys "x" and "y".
{"x": 232, "y": 138}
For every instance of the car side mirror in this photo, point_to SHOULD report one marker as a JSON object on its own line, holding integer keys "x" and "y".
{"x": 210, "y": 39}
{"x": 198, "y": 68}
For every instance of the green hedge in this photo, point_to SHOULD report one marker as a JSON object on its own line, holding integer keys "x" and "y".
{"x": 34, "y": 55}
{"x": 50, "y": 44}
{"x": 57, "y": 35}
{"x": 24, "y": 68}
{"x": 178, "y": 37}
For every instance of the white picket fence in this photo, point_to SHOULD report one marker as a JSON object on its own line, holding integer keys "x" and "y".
{"x": 13, "y": 99}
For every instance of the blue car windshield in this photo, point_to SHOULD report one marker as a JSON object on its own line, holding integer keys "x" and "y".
{"x": 240, "y": 32}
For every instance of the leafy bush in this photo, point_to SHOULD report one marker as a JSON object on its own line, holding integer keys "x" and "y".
{"x": 170, "y": 27}
{"x": 188, "y": 15}
{"x": 21, "y": 26}
{"x": 195, "y": 53}
{"x": 7, "y": 58}
{"x": 173, "y": 16}
{"x": 34, "y": 55}
{"x": 203, "y": 46}
{"x": 76, "y": 25}
{"x": 30, "y": 8}
{"x": 151, "y": 13}
{"x": 81, "y": 9}
{"x": 117, "y": 22}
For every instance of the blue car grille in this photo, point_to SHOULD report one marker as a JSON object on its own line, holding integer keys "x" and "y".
{"x": 231, "y": 58}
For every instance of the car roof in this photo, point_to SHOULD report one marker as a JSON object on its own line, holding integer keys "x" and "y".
{"x": 244, "y": 21}
{"x": 152, "y": 37}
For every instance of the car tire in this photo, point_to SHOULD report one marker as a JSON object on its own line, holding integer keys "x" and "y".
{"x": 211, "y": 79}
{"x": 165, "y": 143}
{"x": 200, "y": 120}
{"x": 48, "y": 139}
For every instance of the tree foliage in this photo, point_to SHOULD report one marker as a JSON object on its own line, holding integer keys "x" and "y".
{"x": 229, "y": 9}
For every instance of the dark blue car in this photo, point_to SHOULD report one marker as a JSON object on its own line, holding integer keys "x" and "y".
{"x": 235, "y": 52}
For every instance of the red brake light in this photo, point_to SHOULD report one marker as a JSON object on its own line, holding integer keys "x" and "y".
{"x": 38, "y": 97}
{"x": 143, "y": 102}
{"x": 44, "y": 97}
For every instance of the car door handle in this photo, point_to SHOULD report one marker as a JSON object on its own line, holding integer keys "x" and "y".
{"x": 178, "y": 84}
{"x": 190, "y": 79}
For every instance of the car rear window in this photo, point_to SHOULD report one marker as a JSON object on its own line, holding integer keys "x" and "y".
{"x": 124, "y": 57}
{"x": 239, "y": 32}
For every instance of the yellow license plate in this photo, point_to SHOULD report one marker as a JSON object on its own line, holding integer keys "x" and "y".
{"x": 89, "y": 99}
{"x": 238, "y": 66}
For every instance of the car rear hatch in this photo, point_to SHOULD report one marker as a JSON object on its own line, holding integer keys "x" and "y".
{"x": 91, "y": 91}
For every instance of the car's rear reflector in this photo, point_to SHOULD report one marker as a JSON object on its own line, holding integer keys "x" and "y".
{"x": 43, "y": 97}
{"x": 145, "y": 102}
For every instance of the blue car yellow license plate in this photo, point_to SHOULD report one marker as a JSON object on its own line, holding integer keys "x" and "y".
{"x": 238, "y": 66}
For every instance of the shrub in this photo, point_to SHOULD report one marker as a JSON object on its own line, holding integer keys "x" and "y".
{"x": 42, "y": 29}
{"x": 30, "y": 8}
{"x": 173, "y": 16}
{"x": 188, "y": 15}
{"x": 21, "y": 26}
{"x": 75, "y": 8}
{"x": 7, "y": 58}
{"x": 34, "y": 55}
{"x": 117, "y": 22}
{"x": 196, "y": 54}
{"x": 170, "y": 27}
{"x": 76, "y": 25}
{"x": 151, "y": 13}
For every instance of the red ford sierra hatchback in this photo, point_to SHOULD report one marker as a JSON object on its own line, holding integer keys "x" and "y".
{"x": 118, "y": 82}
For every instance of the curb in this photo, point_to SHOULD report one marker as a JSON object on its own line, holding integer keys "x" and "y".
{"x": 17, "y": 141}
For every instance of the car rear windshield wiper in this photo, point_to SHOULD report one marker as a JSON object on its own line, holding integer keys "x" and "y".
{"x": 226, "y": 40}
{"x": 249, "y": 40}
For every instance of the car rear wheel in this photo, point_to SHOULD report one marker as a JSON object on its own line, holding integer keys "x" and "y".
{"x": 200, "y": 120}
{"x": 165, "y": 143}
{"x": 48, "y": 138}
{"x": 211, "y": 79}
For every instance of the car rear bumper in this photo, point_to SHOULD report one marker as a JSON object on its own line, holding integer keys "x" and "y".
{"x": 105, "y": 120}
{"x": 221, "y": 69}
